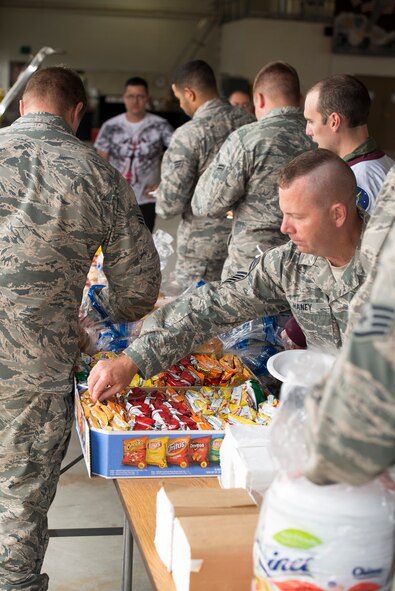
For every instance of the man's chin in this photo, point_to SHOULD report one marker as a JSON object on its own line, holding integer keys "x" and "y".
{"x": 301, "y": 247}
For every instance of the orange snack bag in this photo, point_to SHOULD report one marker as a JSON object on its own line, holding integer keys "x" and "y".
{"x": 156, "y": 451}
{"x": 134, "y": 452}
{"x": 178, "y": 451}
{"x": 199, "y": 449}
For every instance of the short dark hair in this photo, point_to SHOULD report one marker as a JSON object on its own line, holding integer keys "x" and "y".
{"x": 137, "y": 81}
{"x": 308, "y": 162}
{"x": 346, "y": 95}
{"x": 195, "y": 74}
{"x": 61, "y": 85}
{"x": 278, "y": 79}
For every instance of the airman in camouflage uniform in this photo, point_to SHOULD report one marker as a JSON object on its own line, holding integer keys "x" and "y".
{"x": 243, "y": 175}
{"x": 59, "y": 202}
{"x": 201, "y": 242}
{"x": 317, "y": 187}
{"x": 376, "y": 233}
{"x": 352, "y": 417}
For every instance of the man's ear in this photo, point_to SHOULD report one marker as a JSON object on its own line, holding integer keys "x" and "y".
{"x": 259, "y": 100}
{"x": 190, "y": 94}
{"x": 338, "y": 212}
{"x": 76, "y": 116}
{"x": 21, "y": 108}
{"x": 334, "y": 121}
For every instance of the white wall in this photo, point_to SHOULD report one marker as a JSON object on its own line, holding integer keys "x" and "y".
{"x": 249, "y": 44}
{"x": 111, "y": 48}
{"x": 108, "y": 48}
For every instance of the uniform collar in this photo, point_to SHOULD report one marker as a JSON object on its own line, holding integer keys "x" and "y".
{"x": 37, "y": 120}
{"x": 208, "y": 105}
{"x": 369, "y": 145}
{"x": 282, "y": 111}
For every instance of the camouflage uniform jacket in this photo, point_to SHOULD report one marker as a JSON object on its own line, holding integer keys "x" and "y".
{"x": 282, "y": 280}
{"x": 192, "y": 148}
{"x": 59, "y": 202}
{"x": 351, "y": 426}
{"x": 243, "y": 177}
{"x": 374, "y": 237}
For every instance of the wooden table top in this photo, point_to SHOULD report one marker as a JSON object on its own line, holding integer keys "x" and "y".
{"x": 138, "y": 497}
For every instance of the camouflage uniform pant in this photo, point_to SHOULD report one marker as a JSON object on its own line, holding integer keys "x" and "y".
{"x": 202, "y": 247}
{"x": 34, "y": 435}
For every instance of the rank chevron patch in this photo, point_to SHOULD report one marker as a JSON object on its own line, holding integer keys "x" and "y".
{"x": 376, "y": 320}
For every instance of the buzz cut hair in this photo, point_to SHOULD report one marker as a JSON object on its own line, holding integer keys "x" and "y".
{"x": 343, "y": 94}
{"x": 307, "y": 164}
{"x": 278, "y": 79}
{"x": 136, "y": 81}
{"x": 196, "y": 74}
{"x": 58, "y": 84}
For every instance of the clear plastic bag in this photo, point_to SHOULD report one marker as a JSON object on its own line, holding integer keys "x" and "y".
{"x": 254, "y": 342}
{"x": 98, "y": 332}
{"x": 288, "y": 430}
{"x": 163, "y": 244}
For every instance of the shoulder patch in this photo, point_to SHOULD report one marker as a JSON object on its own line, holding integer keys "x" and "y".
{"x": 243, "y": 274}
{"x": 363, "y": 199}
{"x": 375, "y": 321}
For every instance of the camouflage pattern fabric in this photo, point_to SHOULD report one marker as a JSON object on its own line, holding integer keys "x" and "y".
{"x": 351, "y": 422}
{"x": 374, "y": 237}
{"x": 243, "y": 177}
{"x": 59, "y": 202}
{"x": 201, "y": 242}
{"x": 280, "y": 281}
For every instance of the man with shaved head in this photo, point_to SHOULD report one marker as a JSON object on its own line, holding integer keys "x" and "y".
{"x": 243, "y": 175}
{"x": 315, "y": 275}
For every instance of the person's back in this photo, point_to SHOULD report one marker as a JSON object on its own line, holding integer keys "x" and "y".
{"x": 336, "y": 111}
{"x": 201, "y": 243}
{"x": 60, "y": 202}
{"x": 243, "y": 176}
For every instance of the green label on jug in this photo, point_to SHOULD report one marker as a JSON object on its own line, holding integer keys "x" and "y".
{"x": 295, "y": 538}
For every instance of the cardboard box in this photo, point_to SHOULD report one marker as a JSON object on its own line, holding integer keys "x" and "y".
{"x": 106, "y": 452}
{"x": 205, "y": 549}
{"x": 173, "y": 502}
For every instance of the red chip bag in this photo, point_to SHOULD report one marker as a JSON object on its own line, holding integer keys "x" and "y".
{"x": 178, "y": 451}
{"x": 134, "y": 452}
{"x": 199, "y": 448}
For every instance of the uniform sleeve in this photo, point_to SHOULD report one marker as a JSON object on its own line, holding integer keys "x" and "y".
{"x": 179, "y": 327}
{"x": 102, "y": 141}
{"x": 351, "y": 418}
{"x": 224, "y": 182}
{"x": 167, "y": 134}
{"x": 179, "y": 174}
{"x": 131, "y": 262}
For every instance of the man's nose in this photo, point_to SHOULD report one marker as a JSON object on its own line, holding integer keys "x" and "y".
{"x": 283, "y": 227}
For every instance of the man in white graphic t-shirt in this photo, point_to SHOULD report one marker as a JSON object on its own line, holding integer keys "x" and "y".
{"x": 133, "y": 142}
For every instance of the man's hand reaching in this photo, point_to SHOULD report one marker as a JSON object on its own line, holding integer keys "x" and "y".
{"x": 110, "y": 376}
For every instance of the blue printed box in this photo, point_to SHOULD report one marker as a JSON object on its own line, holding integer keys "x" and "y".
{"x": 150, "y": 454}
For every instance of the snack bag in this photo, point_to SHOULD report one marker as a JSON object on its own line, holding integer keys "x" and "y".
{"x": 214, "y": 449}
{"x": 134, "y": 452}
{"x": 156, "y": 452}
{"x": 199, "y": 450}
{"x": 178, "y": 451}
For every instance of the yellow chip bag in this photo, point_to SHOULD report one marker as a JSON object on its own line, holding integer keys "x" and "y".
{"x": 156, "y": 451}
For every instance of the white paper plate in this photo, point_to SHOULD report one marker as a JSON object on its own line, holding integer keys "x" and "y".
{"x": 281, "y": 364}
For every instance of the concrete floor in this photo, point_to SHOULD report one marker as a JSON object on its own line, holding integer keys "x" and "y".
{"x": 91, "y": 563}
